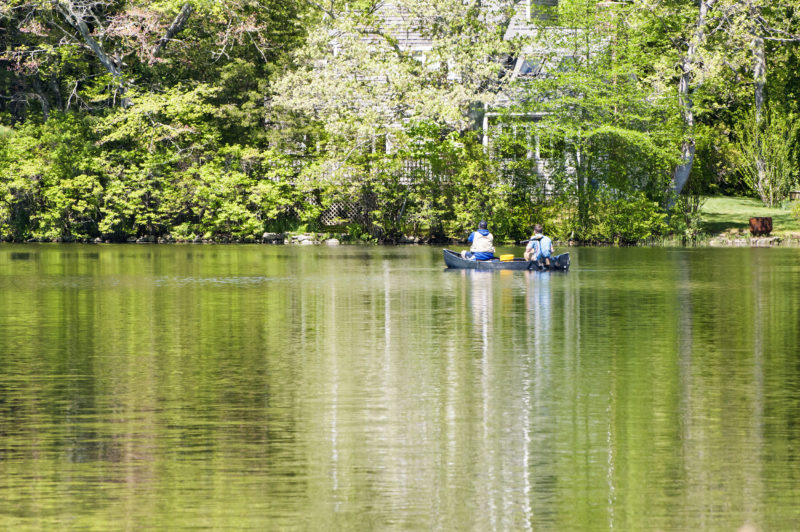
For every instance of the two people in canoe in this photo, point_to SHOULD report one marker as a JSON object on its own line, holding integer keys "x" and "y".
{"x": 539, "y": 248}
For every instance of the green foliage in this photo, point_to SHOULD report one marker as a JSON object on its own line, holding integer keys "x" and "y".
{"x": 607, "y": 132}
{"x": 685, "y": 217}
{"x": 58, "y": 182}
{"x": 624, "y": 220}
{"x": 50, "y": 187}
{"x": 768, "y": 163}
{"x": 264, "y": 115}
{"x": 439, "y": 186}
{"x": 484, "y": 189}
{"x": 795, "y": 209}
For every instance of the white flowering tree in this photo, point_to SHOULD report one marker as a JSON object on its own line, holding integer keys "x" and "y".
{"x": 368, "y": 68}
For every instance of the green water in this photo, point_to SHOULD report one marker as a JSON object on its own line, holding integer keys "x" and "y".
{"x": 352, "y": 388}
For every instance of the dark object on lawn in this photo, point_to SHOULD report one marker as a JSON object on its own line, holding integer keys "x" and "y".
{"x": 761, "y": 225}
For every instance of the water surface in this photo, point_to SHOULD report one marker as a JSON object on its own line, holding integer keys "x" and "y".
{"x": 366, "y": 388}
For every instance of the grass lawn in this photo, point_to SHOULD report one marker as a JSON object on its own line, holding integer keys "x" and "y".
{"x": 730, "y": 214}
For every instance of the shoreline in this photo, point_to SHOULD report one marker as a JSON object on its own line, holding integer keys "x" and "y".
{"x": 791, "y": 240}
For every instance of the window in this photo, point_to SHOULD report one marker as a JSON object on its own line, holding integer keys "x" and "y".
{"x": 530, "y": 67}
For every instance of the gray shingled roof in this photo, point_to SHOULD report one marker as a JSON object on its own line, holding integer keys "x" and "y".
{"x": 400, "y": 23}
{"x": 522, "y": 24}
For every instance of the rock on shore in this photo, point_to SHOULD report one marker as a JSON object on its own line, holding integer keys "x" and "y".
{"x": 763, "y": 242}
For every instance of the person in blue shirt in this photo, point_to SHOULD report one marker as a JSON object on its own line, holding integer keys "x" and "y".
{"x": 482, "y": 244}
{"x": 540, "y": 247}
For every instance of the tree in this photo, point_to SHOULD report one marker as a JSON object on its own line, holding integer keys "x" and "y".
{"x": 359, "y": 79}
{"x": 603, "y": 128}
{"x": 91, "y": 52}
{"x": 373, "y": 75}
{"x": 194, "y": 76}
{"x": 749, "y": 26}
{"x": 689, "y": 64}
{"x": 768, "y": 163}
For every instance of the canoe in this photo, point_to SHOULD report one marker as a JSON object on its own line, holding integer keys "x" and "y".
{"x": 453, "y": 260}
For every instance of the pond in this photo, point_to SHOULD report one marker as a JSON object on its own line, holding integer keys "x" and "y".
{"x": 367, "y": 388}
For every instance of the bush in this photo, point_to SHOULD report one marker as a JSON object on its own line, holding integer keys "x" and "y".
{"x": 795, "y": 208}
{"x": 768, "y": 163}
{"x": 625, "y": 220}
{"x": 50, "y": 185}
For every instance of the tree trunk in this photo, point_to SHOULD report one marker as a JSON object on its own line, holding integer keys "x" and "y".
{"x": 759, "y": 80}
{"x": 688, "y": 64}
{"x": 583, "y": 200}
{"x": 57, "y": 93}
{"x": 759, "y": 74}
{"x": 42, "y": 97}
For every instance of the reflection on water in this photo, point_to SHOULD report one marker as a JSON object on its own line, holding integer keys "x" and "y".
{"x": 367, "y": 388}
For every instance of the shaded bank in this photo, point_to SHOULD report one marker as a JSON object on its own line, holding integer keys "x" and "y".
{"x": 792, "y": 240}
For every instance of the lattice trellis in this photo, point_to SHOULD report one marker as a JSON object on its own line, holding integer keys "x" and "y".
{"x": 342, "y": 212}
{"x": 413, "y": 169}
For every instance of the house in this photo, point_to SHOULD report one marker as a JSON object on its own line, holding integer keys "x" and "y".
{"x": 530, "y": 19}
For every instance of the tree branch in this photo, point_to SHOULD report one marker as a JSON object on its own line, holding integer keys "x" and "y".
{"x": 319, "y": 6}
{"x": 391, "y": 41}
{"x": 76, "y": 21}
{"x": 174, "y": 28}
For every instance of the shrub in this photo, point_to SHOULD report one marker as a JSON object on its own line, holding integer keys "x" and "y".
{"x": 768, "y": 164}
{"x": 625, "y": 220}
